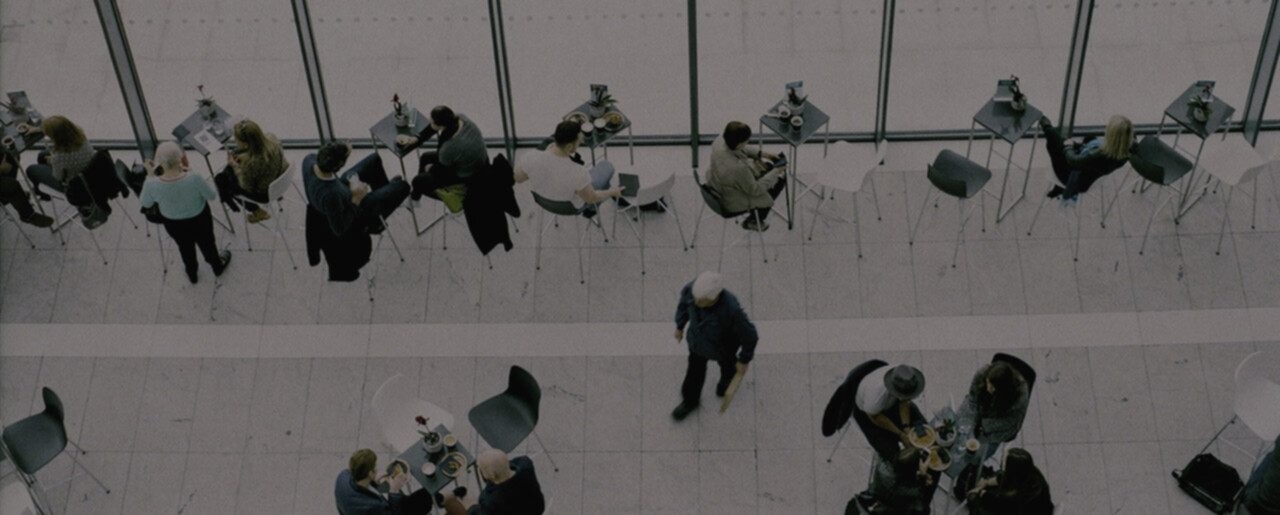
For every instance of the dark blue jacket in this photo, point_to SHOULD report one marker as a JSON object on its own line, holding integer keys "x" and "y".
{"x": 519, "y": 495}
{"x": 353, "y": 499}
{"x": 719, "y": 332}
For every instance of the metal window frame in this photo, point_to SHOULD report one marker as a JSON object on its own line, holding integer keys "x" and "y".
{"x": 311, "y": 63}
{"x": 1255, "y": 107}
{"x": 1075, "y": 67}
{"x": 694, "y": 138}
{"x": 117, "y": 41}
{"x": 887, "y": 20}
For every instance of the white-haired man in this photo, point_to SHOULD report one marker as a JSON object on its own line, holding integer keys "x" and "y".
{"x": 511, "y": 488}
{"x": 718, "y": 330}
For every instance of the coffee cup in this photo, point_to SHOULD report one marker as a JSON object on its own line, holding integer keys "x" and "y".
{"x": 8, "y": 141}
{"x": 972, "y": 445}
{"x": 600, "y": 123}
{"x": 587, "y": 127}
{"x": 450, "y": 441}
{"x": 797, "y": 121}
{"x": 429, "y": 469}
{"x": 784, "y": 112}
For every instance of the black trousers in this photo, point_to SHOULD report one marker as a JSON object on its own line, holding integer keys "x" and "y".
{"x": 417, "y": 503}
{"x": 11, "y": 193}
{"x": 229, "y": 188}
{"x": 192, "y": 233}
{"x": 776, "y": 190}
{"x": 439, "y": 176}
{"x": 696, "y": 375}
{"x": 384, "y": 195}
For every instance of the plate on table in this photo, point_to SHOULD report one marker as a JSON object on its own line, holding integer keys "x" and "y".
{"x": 614, "y": 120}
{"x": 577, "y": 117}
{"x": 923, "y": 436}
{"x": 453, "y": 464}
{"x": 939, "y": 459}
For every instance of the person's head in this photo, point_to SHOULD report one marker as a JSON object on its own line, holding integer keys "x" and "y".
{"x": 250, "y": 138}
{"x": 65, "y": 135}
{"x": 333, "y": 156}
{"x": 1001, "y": 384}
{"x": 494, "y": 466}
{"x": 443, "y": 119}
{"x": 169, "y": 156}
{"x": 904, "y": 382}
{"x": 1019, "y": 476}
{"x": 906, "y": 465}
{"x": 735, "y": 134}
{"x": 568, "y": 135}
{"x": 362, "y": 465}
{"x": 706, "y": 289}
{"x": 1118, "y": 138}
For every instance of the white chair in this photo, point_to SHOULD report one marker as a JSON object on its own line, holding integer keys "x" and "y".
{"x": 395, "y": 405}
{"x": 1257, "y": 395}
{"x": 17, "y": 500}
{"x": 845, "y": 169}
{"x": 1232, "y": 161}
{"x": 656, "y": 194}
{"x": 275, "y": 197}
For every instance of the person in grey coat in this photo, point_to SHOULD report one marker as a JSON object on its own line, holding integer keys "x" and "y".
{"x": 718, "y": 330}
{"x": 997, "y": 402}
{"x": 744, "y": 176}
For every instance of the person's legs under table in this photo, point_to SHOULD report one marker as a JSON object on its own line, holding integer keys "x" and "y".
{"x": 11, "y": 193}
{"x": 42, "y": 176}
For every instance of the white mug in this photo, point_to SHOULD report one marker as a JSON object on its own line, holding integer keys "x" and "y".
{"x": 797, "y": 121}
{"x": 784, "y": 112}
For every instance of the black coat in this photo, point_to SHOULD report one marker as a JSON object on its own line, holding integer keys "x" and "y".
{"x": 346, "y": 254}
{"x": 100, "y": 183}
{"x": 490, "y": 198}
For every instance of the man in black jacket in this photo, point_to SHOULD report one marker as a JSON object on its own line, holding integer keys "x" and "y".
{"x": 511, "y": 488}
{"x": 358, "y": 490}
{"x": 719, "y": 331}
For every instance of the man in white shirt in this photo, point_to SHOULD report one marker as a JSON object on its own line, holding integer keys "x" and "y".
{"x": 885, "y": 396}
{"x": 558, "y": 174}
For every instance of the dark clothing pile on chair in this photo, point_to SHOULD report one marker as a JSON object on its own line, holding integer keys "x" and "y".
{"x": 490, "y": 198}
{"x": 91, "y": 193}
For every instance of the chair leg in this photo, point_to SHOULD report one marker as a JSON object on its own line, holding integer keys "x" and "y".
{"x": 386, "y": 229}
{"x": 164, "y": 263}
{"x": 537, "y": 253}
{"x": 955, "y": 254}
{"x": 1226, "y": 217}
{"x": 126, "y": 214}
{"x": 764, "y": 251}
{"x": 679, "y": 227}
{"x": 279, "y": 226}
{"x": 857, "y": 226}
{"x": 248, "y": 241}
{"x": 1111, "y": 205}
{"x": 1253, "y": 222}
{"x": 1155, "y": 209}
{"x": 724, "y": 228}
{"x": 17, "y": 224}
{"x": 546, "y": 452}
{"x": 822, "y": 199}
{"x": 916, "y": 227}
{"x": 875, "y": 197}
{"x": 843, "y": 431}
{"x": 582, "y": 236}
{"x": 86, "y": 470}
{"x": 1075, "y": 255}
{"x": 94, "y": 239}
{"x": 1037, "y": 215}
{"x": 641, "y": 236}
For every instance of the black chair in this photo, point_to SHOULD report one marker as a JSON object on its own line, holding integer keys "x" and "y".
{"x": 1163, "y": 166}
{"x": 565, "y": 208}
{"x": 505, "y": 420}
{"x": 711, "y": 200}
{"x": 955, "y": 175}
{"x": 33, "y": 442}
{"x": 842, "y": 405}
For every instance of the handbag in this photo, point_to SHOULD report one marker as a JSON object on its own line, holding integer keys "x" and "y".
{"x": 1211, "y": 482}
{"x": 152, "y": 214}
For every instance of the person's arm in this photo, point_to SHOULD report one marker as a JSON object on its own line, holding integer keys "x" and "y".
{"x": 744, "y": 179}
{"x": 682, "y": 307}
{"x": 883, "y": 422}
{"x": 745, "y": 332}
{"x": 206, "y": 190}
{"x": 969, "y": 407}
{"x": 518, "y": 174}
{"x": 147, "y": 198}
{"x": 591, "y": 195}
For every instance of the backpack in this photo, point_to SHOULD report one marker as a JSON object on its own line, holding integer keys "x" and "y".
{"x": 1211, "y": 482}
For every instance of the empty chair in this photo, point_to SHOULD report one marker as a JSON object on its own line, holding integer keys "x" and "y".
{"x": 396, "y": 404}
{"x": 505, "y": 420}
{"x": 954, "y": 175}
{"x": 656, "y": 194}
{"x": 564, "y": 208}
{"x": 711, "y": 200}
{"x": 33, "y": 442}
{"x": 1160, "y": 165}
{"x": 1232, "y": 161}
{"x": 845, "y": 169}
{"x": 275, "y": 196}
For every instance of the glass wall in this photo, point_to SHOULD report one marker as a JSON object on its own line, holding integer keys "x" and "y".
{"x": 54, "y": 50}
{"x": 639, "y": 48}
{"x": 247, "y": 59}
{"x": 948, "y": 55}
{"x": 749, "y": 50}
{"x": 1143, "y": 55}
{"x": 430, "y": 53}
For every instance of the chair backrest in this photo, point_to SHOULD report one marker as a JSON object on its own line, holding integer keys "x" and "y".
{"x": 841, "y": 405}
{"x": 1146, "y": 169}
{"x": 1258, "y": 393}
{"x": 654, "y": 193}
{"x": 53, "y": 405}
{"x": 555, "y": 207}
{"x": 280, "y": 185}
{"x": 388, "y": 396}
{"x": 956, "y": 175}
{"x": 1021, "y": 366}
{"x": 522, "y": 387}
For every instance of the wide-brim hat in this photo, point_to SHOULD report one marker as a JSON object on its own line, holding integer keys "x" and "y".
{"x": 904, "y": 382}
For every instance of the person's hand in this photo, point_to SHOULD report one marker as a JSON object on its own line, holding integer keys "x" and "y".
{"x": 149, "y": 166}
{"x": 398, "y": 482}
{"x": 768, "y": 156}
{"x": 905, "y": 437}
{"x": 679, "y": 335}
{"x": 358, "y": 192}
{"x": 406, "y": 140}
{"x": 742, "y": 367}
{"x": 615, "y": 192}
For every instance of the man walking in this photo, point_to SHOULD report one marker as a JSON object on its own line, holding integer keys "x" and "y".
{"x": 718, "y": 331}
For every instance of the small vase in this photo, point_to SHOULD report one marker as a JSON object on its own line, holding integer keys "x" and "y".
{"x": 402, "y": 120}
{"x": 208, "y": 111}
{"x": 1019, "y": 105}
{"x": 1200, "y": 114}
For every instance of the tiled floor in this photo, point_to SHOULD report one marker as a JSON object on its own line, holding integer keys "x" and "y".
{"x": 247, "y": 393}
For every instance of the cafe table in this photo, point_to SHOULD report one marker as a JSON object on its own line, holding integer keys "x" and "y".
{"x": 416, "y": 455}
{"x": 813, "y": 119}
{"x": 207, "y": 133}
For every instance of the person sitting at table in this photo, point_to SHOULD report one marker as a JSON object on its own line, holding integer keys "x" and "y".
{"x": 740, "y": 173}
{"x": 12, "y": 194}
{"x": 67, "y": 154}
{"x": 1080, "y": 165}
{"x": 997, "y": 402}
{"x": 359, "y": 490}
{"x": 884, "y": 410}
{"x": 558, "y": 173}
{"x": 902, "y": 486}
{"x": 1018, "y": 489}
{"x": 511, "y": 488}
{"x": 256, "y": 160}
{"x": 1262, "y": 492}
{"x": 184, "y": 202}
{"x": 343, "y": 210}
{"x": 461, "y": 154}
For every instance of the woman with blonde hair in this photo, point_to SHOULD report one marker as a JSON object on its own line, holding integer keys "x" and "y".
{"x": 1078, "y": 166}
{"x": 256, "y": 160}
{"x": 66, "y": 155}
